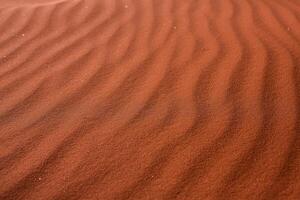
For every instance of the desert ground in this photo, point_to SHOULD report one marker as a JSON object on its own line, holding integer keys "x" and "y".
{"x": 150, "y": 99}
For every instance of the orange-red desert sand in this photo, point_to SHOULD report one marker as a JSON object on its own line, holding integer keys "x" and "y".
{"x": 150, "y": 99}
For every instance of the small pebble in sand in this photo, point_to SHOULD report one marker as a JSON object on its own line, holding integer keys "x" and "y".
{"x": 23, "y": 34}
{"x": 288, "y": 28}
{"x": 126, "y": 6}
{"x": 40, "y": 178}
{"x": 174, "y": 27}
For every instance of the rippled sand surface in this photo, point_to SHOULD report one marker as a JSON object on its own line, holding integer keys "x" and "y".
{"x": 150, "y": 99}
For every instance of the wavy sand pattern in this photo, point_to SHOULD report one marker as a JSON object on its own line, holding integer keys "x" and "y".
{"x": 149, "y": 99}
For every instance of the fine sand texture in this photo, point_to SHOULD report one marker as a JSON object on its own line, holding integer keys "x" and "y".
{"x": 150, "y": 99}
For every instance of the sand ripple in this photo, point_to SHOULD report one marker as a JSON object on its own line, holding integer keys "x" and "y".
{"x": 151, "y": 99}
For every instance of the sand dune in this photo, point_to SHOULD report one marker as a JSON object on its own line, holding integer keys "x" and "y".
{"x": 150, "y": 99}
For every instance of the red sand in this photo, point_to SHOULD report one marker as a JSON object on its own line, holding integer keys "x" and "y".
{"x": 150, "y": 99}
